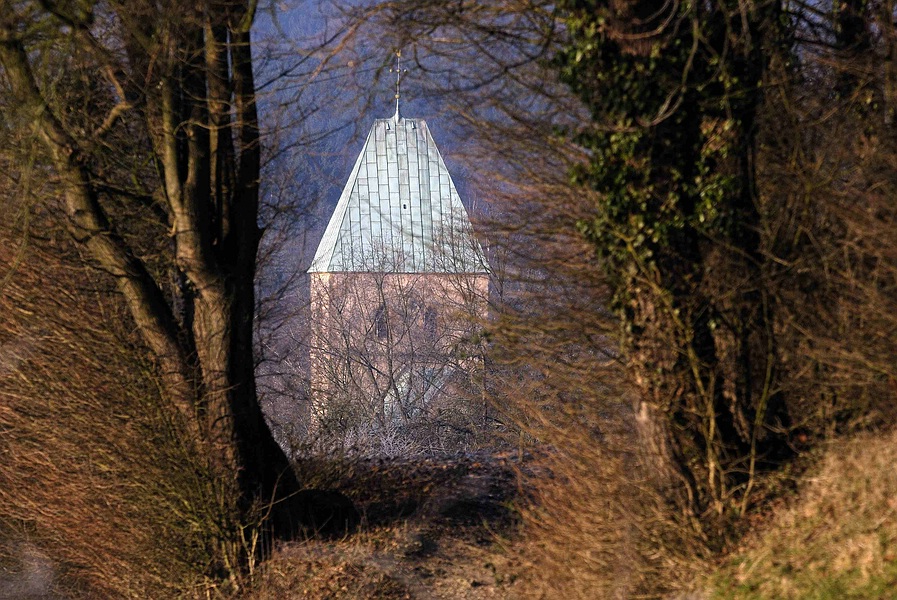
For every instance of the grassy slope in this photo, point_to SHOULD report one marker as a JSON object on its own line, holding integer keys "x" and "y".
{"x": 836, "y": 540}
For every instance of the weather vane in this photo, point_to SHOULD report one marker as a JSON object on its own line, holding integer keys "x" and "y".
{"x": 399, "y": 72}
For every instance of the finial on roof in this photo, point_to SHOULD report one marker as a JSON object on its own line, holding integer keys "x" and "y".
{"x": 398, "y": 71}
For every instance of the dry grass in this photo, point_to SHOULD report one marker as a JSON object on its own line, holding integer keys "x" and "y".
{"x": 836, "y": 539}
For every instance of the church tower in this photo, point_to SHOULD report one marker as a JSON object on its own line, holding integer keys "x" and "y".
{"x": 399, "y": 288}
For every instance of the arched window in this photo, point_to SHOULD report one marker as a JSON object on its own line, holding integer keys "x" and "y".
{"x": 430, "y": 323}
{"x": 381, "y": 325}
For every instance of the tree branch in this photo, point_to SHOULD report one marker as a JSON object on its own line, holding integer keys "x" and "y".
{"x": 90, "y": 226}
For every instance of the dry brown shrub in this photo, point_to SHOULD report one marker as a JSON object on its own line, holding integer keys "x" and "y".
{"x": 829, "y": 198}
{"x": 596, "y": 530}
{"x": 95, "y": 477}
{"x": 594, "y": 526}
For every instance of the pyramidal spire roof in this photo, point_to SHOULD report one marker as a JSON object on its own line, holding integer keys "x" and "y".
{"x": 400, "y": 211}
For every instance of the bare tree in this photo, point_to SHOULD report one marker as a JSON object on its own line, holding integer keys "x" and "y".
{"x": 145, "y": 115}
{"x": 101, "y": 489}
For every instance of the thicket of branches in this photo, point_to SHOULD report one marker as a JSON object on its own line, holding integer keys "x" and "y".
{"x": 97, "y": 476}
{"x": 145, "y": 115}
{"x": 702, "y": 192}
{"x": 695, "y": 200}
{"x": 133, "y": 128}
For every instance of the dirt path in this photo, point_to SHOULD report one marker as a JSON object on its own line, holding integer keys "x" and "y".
{"x": 432, "y": 529}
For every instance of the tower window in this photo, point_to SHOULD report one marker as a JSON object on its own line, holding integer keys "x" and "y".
{"x": 430, "y": 323}
{"x": 380, "y": 323}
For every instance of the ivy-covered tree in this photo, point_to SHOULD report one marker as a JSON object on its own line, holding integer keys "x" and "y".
{"x": 674, "y": 89}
